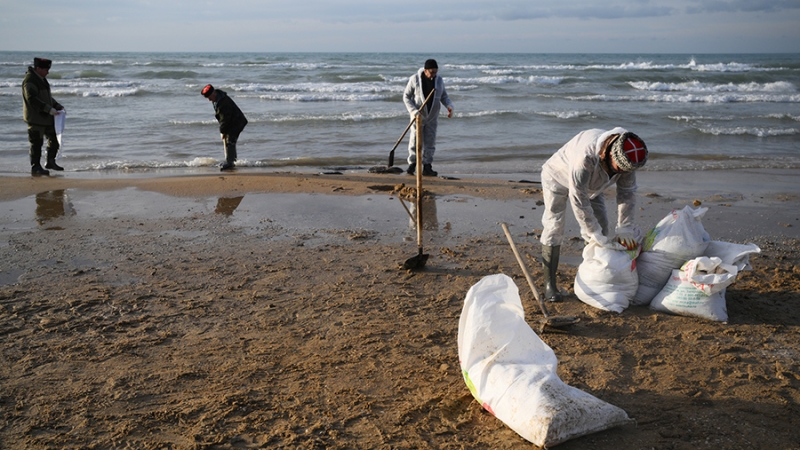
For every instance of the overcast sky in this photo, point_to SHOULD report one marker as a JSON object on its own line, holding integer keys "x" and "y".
{"x": 536, "y": 26}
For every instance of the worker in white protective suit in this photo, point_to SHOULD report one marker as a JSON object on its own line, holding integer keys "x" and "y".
{"x": 580, "y": 171}
{"x": 419, "y": 86}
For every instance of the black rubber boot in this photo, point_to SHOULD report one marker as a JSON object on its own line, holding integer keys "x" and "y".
{"x": 427, "y": 170}
{"x": 550, "y": 267}
{"x": 51, "y": 164}
{"x": 37, "y": 170}
{"x": 51, "y": 160}
{"x": 411, "y": 168}
{"x": 35, "y": 154}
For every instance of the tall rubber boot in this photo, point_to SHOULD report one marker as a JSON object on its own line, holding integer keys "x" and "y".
{"x": 36, "y": 166}
{"x": 550, "y": 267}
{"x": 230, "y": 156}
{"x": 51, "y": 160}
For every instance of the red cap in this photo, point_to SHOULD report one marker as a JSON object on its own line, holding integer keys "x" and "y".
{"x": 629, "y": 152}
{"x": 634, "y": 149}
{"x": 207, "y": 91}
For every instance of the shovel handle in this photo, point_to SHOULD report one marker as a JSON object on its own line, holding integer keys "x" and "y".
{"x": 419, "y": 182}
{"x": 524, "y": 270}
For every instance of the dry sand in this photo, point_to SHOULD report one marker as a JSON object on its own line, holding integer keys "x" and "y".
{"x": 238, "y": 311}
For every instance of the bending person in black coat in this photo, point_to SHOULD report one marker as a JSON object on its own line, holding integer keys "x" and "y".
{"x": 231, "y": 122}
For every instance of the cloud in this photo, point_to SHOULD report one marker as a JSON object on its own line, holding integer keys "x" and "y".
{"x": 480, "y": 10}
{"x": 389, "y": 25}
{"x": 716, "y": 6}
{"x": 577, "y": 10}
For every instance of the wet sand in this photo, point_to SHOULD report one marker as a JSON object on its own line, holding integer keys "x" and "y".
{"x": 268, "y": 310}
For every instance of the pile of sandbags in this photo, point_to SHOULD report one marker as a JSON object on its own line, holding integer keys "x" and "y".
{"x": 677, "y": 269}
{"x": 512, "y": 372}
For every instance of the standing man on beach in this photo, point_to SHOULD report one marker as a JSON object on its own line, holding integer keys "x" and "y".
{"x": 419, "y": 86}
{"x": 579, "y": 172}
{"x": 231, "y": 122}
{"x": 39, "y": 109}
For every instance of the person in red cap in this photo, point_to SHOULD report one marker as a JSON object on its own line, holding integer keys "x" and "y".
{"x": 579, "y": 172}
{"x": 231, "y": 122}
{"x": 39, "y": 109}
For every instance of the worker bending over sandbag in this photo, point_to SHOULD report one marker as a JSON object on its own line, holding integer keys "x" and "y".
{"x": 580, "y": 171}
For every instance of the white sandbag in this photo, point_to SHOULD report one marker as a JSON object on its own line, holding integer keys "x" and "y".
{"x": 697, "y": 290}
{"x": 607, "y": 278}
{"x": 511, "y": 372}
{"x": 654, "y": 269}
{"x": 731, "y": 253}
{"x": 677, "y": 238}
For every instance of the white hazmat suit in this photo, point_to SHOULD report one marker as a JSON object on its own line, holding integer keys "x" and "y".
{"x": 575, "y": 174}
{"x": 413, "y": 98}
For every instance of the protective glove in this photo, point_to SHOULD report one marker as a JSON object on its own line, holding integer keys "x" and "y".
{"x": 53, "y": 111}
{"x": 627, "y": 240}
{"x": 602, "y": 241}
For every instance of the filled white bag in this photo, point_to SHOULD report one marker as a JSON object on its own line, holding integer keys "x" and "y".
{"x": 677, "y": 238}
{"x": 697, "y": 289}
{"x": 607, "y": 278}
{"x": 512, "y": 372}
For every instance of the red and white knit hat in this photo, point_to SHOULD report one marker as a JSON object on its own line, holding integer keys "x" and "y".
{"x": 629, "y": 152}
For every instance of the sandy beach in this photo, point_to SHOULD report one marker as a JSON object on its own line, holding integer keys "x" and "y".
{"x": 268, "y": 310}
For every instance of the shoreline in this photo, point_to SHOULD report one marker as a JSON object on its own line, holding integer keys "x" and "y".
{"x": 761, "y": 180}
{"x": 743, "y": 204}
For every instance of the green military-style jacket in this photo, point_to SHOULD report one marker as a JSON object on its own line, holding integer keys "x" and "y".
{"x": 37, "y": 100}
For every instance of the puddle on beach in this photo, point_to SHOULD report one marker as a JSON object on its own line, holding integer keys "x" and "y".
{"x": 372, "y": 215}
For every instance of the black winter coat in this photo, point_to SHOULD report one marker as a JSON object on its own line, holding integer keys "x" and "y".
{"x": 37, "y": 100}
{"x": 230, "y": 117}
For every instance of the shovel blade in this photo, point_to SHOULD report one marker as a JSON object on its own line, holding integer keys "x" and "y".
{"x": 560, "y": 321}
{"x": 391, "y": 158}
{"x": 416, "y": 262}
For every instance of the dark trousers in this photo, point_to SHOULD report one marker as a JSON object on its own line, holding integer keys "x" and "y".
{"x": 229, "y": 144}
{"x": 36, "y": 136}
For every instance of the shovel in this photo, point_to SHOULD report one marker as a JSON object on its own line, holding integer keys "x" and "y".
{"x": 548, "y": 320}
{"x": 418, "y": 261}
{"x": 391, "y": 153}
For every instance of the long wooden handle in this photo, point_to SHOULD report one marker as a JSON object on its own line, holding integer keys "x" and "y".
{"x": 419, "y": 182}
{"x": 524, "y": 269}
{"x": 411, "y": 122}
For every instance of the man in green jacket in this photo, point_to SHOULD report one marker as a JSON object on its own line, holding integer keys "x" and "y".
{"x": 231, "y": 122}
{"x": 38, "y": 110}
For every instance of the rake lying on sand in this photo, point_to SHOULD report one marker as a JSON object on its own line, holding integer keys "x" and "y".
{"x": 548, "y": 320}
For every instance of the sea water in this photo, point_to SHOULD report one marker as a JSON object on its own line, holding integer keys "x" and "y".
{"x": 143, "y": 112}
